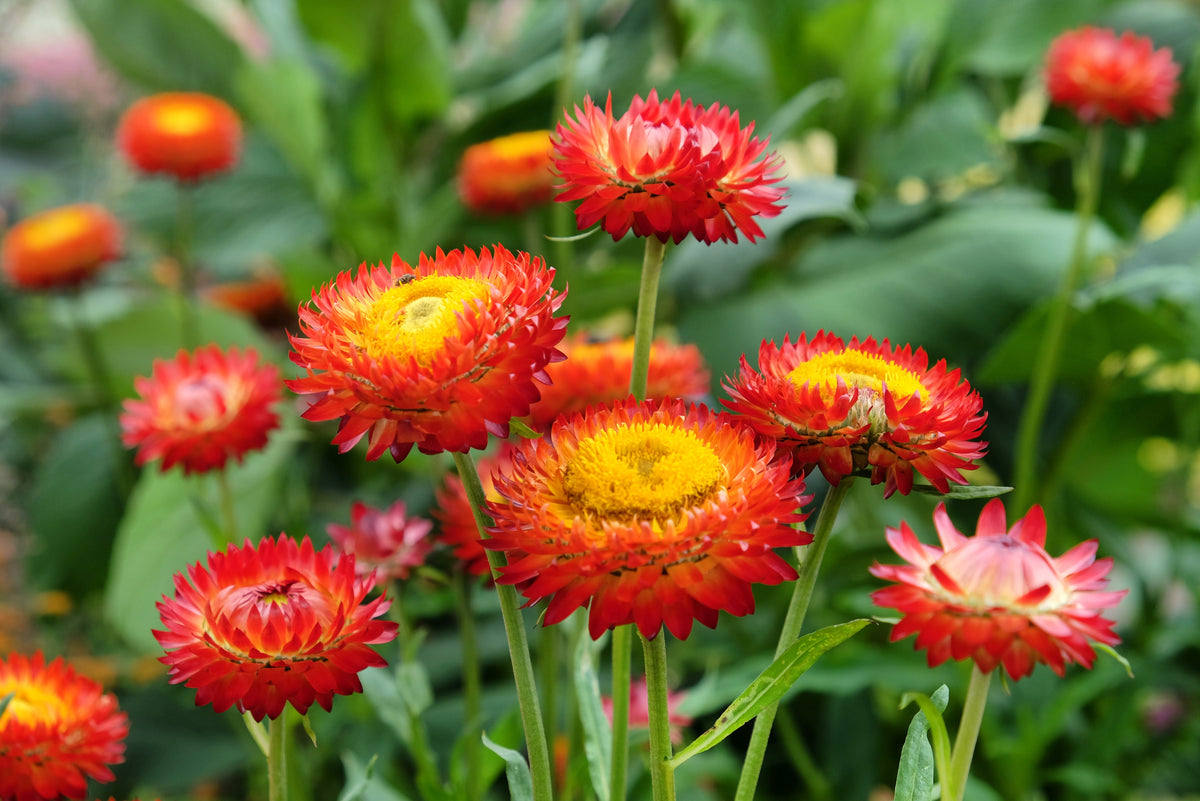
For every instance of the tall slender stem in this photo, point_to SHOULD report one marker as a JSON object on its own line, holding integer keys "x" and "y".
{"x": 643, "y": 331}
{"x": 550, "y": 656}
{"x": 518, "y": 642}
{"x": 184, "y": 224}
{"x": 810, "y": 566}
{"x": 472, "y": 686}
{"x": 662, "y": 775}
{"x": 560, "y": 213}
{"x": 277, "y": 759}
{"x": 622, "y": 650}
{"x": 228, "y": 507}
{"x": 968, "y": 733}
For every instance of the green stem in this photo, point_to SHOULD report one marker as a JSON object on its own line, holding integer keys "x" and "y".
{"x": 277, "y": 759}
{"x": 184, "y": 223}
{"x": 622, "y": 651}
{"x": 662, "y": 775}
{"x": 810, "y": 566}
{"x": 643, "y": 331}
{"x": 816, "y": 784}
{"x": 549, "y": 653}
{"x": 472, "y": 687}
{"x": 968, "y": 733}
{"x": 518, "y": 642}
{"x": 228, "y": 508}
{"x": 1088, "y": 174}
{"x": 560, "y": 213}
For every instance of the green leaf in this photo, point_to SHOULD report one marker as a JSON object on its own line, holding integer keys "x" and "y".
{"x": 931, "y": 712}
{"x": 518, "y": 427}
{"x": 1108, "y": 649}
{"x": 520, "y": 781}
{"x": 597, "y": 733}
{"x": 963, "y": 491}
{"x": 5, "y": 701}
{"x": 354, "y": 789}
{"x": 363, "y": 784}
{"x": 770, "y": 685}
{"x": 914, "y": 778}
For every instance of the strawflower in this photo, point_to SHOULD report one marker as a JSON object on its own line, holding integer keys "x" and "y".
{"x": 61, "y": 247}
{"x": 262, "y": 297}
{"x": 453, "y": 511}
{"x": 202, "y": 408}
{"x": 998, "y": 598}
{"x": 639, "y": 709}
{"x": 59, "y": 729}
{"x": 507, "y": 175}
{"x": 666, "y": 169}
{"x": 268, "y": 625}
{"x": 438, "y": 355}
{"x": 650, "y": 513}
{"x": 187, "y": 135}
{"x": 865, "y": 406}
{"x": 385, "y": 542}
{"x": 1101, "y": 76}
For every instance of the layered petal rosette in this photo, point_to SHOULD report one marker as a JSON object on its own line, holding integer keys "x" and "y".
{"x": 866, "y": 406}
{"x": 187, "y": 135}
{"x": 507, "y": 175}
{"x": 666, "y": 169}
{"x": 266, "y": 625}
{"x": 58, "y": 730}
{"x": 648, "y": 513}
{"x": 438, "y": 355}
{"x": 998, "y": 598}
{"x": 453, "y": 511}
{"x": 385, "y": 542}
{"x": 61, "y": 247}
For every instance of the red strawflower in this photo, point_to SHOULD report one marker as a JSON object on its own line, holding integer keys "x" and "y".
{"x": 267, "y": 625}
{"x": 384, "y": 542}
{"x": 866, "y": 405}
{"x": 59, "y": 729}
{"x": 647, "y": 513}
{"x": 639, "y": 709}
{"x": 998, "y": 597}
{"x": 60, "y": 247}
{"x": 188, "y": 135}
{"x": 436, "y": 356}
{"x": 1101, "y": 76}
{"x": 202, "y": 409}
{"x": 507, "y": 175}
{"x": 666, "y": 169}
{"x": 454, "y": 516}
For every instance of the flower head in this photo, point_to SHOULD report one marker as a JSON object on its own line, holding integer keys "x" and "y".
{"x": 262, "y": 296}
{"x": 666, "y": 169}
{"x": 647, "y": 513}
{"x": 60, "y": 247}
{"x": 188, "y": 135}
{"x": 507, "y": 175}
{"x": 267, "y": 625}
{"x": 436, "y": 355}
{"x": 998, "y": 598}
{"x": 384, "y": 542}
{"x": 866, "y": 405}
{"x": 639, "y": 709}
{"x": 59, "y": 729}
{"x": 454, "y": 516}
{"x": 202, "y": 409}
{"x": 1102, "y": 76}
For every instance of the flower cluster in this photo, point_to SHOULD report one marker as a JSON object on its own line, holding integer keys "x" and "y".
{"x": 61, "y": 247}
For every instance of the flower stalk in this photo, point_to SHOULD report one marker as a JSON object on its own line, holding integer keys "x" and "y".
{"x": 472, "y": 686}
{"x": 968, "y": 734}
{"x": 662, "y": 774}
{"x": 652, "y": 262}
{"x": 277, "y": 759}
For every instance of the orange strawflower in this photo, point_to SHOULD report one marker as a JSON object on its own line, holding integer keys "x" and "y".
{"x": 263, "y": 297}
{"x": 507, "y": 175}
{"x": 639, "y": 709}
{"x": 598, "y": 372}
{"x": 59, "y": 729}
{"x": 649, "y": 513}
{"x": 60, "y": 247}
{"x": 666, "y": 169}
{"x": 387, "y": 543}
{"x": 271, "y": 624}
{"x": 998, "y": 598}
{"x": 865, "y": 406}
{"x": 187, "y": 135}
{"x": 454, "y": 516}
{"x": 1101, "y": 76}
{"x": 202, "y": 409}
{"x": 438, "y": 355}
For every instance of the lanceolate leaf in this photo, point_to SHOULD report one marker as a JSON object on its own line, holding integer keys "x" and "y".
{"x": 932, "y": 711}
{"x": 963, "y": 491}
{"x": 914, "y": 779}
{"x": 520, "y": 782}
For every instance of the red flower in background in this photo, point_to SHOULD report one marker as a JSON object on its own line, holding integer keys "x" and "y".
{"x": 453, "y": 511}
{"x": 58, "y": 730}
{"x": 998, "y": 598}
{"x": 639, "y": 709}
{"x": 267, "y": 625}
{"x": 384, "y": 542}
{"x": 666, "y": 169}
{"x": 507, "y": 175}
{"x": 262, "y": 296}
{"x": 60, "y": 247}
{"x": 1102, "y": 76}
{"x": 187, "y": 135}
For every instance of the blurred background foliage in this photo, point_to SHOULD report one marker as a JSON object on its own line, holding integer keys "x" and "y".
{"x": 930, "y": 202}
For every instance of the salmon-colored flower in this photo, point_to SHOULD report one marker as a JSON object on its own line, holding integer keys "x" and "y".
{"x": 438, "y": 355}
{"x": 1101, "y": 76}
{"x": 454, "y": 516}
{"x": 60, "y": 247}
{"x": 188, "y": 135}
{"x": 639, "y": 709}
{"x": 507, "y": 175}
{"x": 646, "y": 513}
{"x": 666, "y": 169}
{"x": 998, "y": 598}
{"x": 385, "y": 542}
{"x": 862, "y": 406}
{"x": 598, "y": 372}
{"x": 268, "y": 625}
{"x": 59, "y": 729}
{"x": 202, "y": 409}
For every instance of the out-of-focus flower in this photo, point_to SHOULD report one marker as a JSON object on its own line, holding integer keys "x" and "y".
{"x": 188, "y": 135}
{"x": 507, "y": 175}
{"x": 49, "y": 57}
{"x": 438, "y": 355}
{"x": 453, "y": 511}
{"x": 666, "y": 169}
{"x": 59, "y": 729}
{"x": 263, "y": 297}
{"x": 1101, "y": 76}
{"x": 267, "y": 625}
{"x": 60, "y": 247}
{"x": 998, "y": 598}
{"x": 646, "y": 513}
{"x": 866, "y": 405}
{"x": 386, "y": 542}
{"x": 639, "y": 709}
{"x": 202, "y": 409}
{"x": 598, "y": 372}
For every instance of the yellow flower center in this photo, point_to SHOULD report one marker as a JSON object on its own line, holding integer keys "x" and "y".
{"x": 32, "y": 704}
{"x": 182, "y": 119}
{"x": 54, "y": 228}
{"x": 414, "y": 319}
{"x": 521, "y": 145}
{"x": 863, "y": 370}
{"x": 647, "y": 470}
